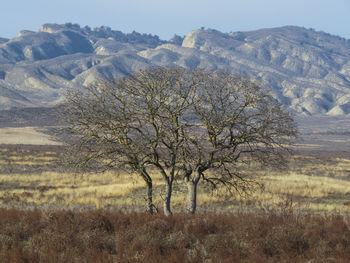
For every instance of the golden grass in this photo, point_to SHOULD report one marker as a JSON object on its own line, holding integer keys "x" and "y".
{"x": 122, "y": 190}
{"x": 72, "y": 190}
{"x": 310, "y": 184}
{"x": 313, "y": 192}
{"x": 321, "y": 185}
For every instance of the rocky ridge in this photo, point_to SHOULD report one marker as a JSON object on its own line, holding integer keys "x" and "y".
{"x": 307, "y": 71}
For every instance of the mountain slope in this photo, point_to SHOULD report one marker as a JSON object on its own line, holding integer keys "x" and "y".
{"x": 307, "y": 71}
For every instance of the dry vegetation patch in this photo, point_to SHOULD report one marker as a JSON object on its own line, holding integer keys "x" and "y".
{"x": 100, "y": 236}
{"x": 297, "y": 215}
{"x": 32, "y": 176}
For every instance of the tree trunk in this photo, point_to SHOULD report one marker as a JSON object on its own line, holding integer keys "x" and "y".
{"x": 192, "y": 193}
{"x": 167, "y": 199}
{"x": 191, "y": 196}
{"x": 150, "y": 206}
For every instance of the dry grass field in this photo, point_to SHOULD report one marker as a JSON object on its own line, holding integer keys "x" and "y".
{"x": 31, "y": 176}
{"x": 25, "y": 135}
{"x": 48, "y": 214}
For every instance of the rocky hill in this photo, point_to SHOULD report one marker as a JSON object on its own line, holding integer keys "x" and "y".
{"x": 307, "y": 71}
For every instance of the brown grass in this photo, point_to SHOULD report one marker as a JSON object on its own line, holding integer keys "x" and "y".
{"x": 32, "y": 176}
{"x": 100, "y": 236}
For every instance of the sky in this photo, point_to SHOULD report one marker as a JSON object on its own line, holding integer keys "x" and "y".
{"x": 168, "y": 17}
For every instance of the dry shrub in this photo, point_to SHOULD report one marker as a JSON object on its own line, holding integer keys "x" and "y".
{"x": 101, "y": 236}
{"x": 34, "y": 236}
{"x": 151, "y": 239}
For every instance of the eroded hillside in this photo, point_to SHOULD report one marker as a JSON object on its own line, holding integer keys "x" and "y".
{"x": 307, "y": 71}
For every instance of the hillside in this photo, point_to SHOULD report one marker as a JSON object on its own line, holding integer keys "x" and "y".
{"x": 307, "y": 71}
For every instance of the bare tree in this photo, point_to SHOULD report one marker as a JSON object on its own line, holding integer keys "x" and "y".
{"x": 134, "y": 123}
{"x": 233, "y": 120}
{"x": 164, "y": 97}
{"x": 103, "y": 122}
{"x": 195, "y": 124}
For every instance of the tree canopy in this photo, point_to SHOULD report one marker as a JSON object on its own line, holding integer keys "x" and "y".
{"x": 193, "y": 124}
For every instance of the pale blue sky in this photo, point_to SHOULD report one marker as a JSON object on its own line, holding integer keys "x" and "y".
{"x": 167, "y": 17}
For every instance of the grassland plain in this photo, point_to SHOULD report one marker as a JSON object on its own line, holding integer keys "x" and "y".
{"x": 31, "y": 176}
{"x": 300, "y": 214}
{"x": 25, "y": 135}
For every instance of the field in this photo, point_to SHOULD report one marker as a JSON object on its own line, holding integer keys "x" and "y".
{"x": 104, "y": 236}
{"x": 25, "y": 135}
{"x": 32, "y": 176}
{"x": 300, "y": 214}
